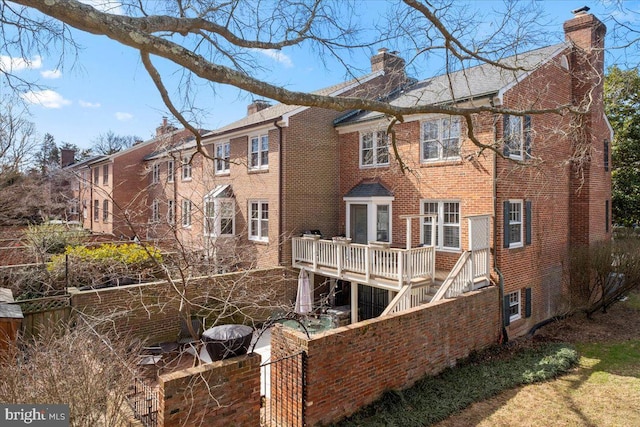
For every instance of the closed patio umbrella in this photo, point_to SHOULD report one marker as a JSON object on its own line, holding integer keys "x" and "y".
{"x": 304, "y": 302}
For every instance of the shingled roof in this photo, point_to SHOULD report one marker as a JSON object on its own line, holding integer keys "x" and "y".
{"x": 280, "y": 110}
{"x": 471, "y": 83}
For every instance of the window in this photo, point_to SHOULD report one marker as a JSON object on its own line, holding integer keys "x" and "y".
{"x": 171, "y": 211}
{"x": 222, "y": 157}
{"x": 447, "y": 224}
{"x": 606, "y": 216}
{"x": 517, "y": 136}
{"x": 73, "y": 209}
{"x": 605, "y": 152}
{"x": 441, "y": 139}
{"x": 186, "y": 168}
{"x": 170, "y": 170}
{"x": 259, "y": 152}
{"x": 382, "y": 223}
{"x": 156, "y": 173}
{"x": 155, "y": 211}
{"x": 259, "y": 221}
{"x": 514, "y": 306}
{"x": 374, "y": 150}
{"x": 515, "y": 224}
{"x": 96, "y": 176}
{"x": 105, "y": 174}
{"x": 96, "y": 210}
{"x": 105, "y": 210}
{"x": 219, "y": 216}
{"x": 186, "y": 213}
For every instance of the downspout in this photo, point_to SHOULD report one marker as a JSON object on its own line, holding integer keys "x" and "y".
{"x": 91, "y": 201}
{"x": 280, "y": 187}
{"x": 505, "y": 336}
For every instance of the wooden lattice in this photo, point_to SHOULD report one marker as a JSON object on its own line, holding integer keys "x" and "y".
{"x": 44, "y": 304}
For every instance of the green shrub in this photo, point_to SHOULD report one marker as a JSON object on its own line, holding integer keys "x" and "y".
{"x": 105, "y": 264}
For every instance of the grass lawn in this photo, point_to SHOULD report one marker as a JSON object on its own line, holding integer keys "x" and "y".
{"x": 603, "y": 389}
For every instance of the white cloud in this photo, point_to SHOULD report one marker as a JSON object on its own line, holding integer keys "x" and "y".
{"x": 11, "y": 64}
{"x": 109, "y": 6}
{"x": 46, "y": 98}
{"x": 51, "y": 74}
{"x": 123, "y": 117}
{"x": 86, "y": 104}
{"x": 276, "y": 55}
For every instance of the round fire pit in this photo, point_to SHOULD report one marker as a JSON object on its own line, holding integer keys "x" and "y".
{"x": 226, "y": 341}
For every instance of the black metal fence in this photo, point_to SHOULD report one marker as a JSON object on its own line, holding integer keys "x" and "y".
{"x": 283, "y": 391}
{"x": 144, "y": 402}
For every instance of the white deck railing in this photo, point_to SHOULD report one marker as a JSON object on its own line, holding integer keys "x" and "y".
{"x": 336, "y": 258}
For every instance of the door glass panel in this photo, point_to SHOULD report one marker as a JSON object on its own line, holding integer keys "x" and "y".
{"x": 359, "y": 224}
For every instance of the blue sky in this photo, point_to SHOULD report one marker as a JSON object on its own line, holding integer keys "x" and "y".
{"x": 107, "y": 89}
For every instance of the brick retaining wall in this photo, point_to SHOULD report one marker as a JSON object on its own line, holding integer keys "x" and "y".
{"x": 224, "y": 393}
{"x": 150, "y": 311}
{"x": 352, "y": 366}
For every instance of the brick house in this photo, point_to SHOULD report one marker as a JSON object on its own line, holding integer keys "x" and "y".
{"x": 110, "y": 190}
{"x": 467, "y": 213}
{"x": 260, "y": 180}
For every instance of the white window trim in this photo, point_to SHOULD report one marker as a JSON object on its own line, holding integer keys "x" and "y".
{"x": 105, "y": 176}
{"x": 440, "y": 157}
{"x": 186, "y": 213}
{"x": 105, "y": 212}
{"x": 260, "y": 165}
{"x": 259, "y": 237}
{"x": 372, "y": 211}
{"x": 155, "y": 211}
{"x": 521, "y": 146}
{"x": 516, "y": 303}
{"x": 440, "y": 222}
{"x": 170, "y": 170}
{"x": 217, "y": 216}
{"x": 171, "y": 211}
{"x": 226, "y": 170}
{"x": 522, "y": 224}
{"x": 155, "y": 174}
{"x": 374, "y": 135}
{"x": 186, "y": 166}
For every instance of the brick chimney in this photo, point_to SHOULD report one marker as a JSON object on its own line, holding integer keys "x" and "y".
{"x": 257, "y": 105}
{"x": 585, "y": 30}
{"x": 67, "y": 157}
{"x": 165, "y": 127}
{"x": 392, "y": 65}
{"x": 590, "y": 184}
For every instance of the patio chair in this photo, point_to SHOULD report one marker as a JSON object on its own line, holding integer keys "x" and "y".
{"x": 185, "y": 337}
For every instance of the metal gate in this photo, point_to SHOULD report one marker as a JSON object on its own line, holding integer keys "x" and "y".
{"x": 283, "y": 391}
{"x": 144, "y": 402}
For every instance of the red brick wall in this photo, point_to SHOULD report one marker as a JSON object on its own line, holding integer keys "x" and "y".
{"x": 543, "y": 180}
{"x": 223, "y": 393}
{"x": 467, "y": 181}
{"x": 352, "y": 366}
{"x": 151, "y": 311}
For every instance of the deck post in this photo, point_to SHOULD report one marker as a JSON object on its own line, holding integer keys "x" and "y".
{"x": 408, "y": 219}
{"x": 314, "y": 251}
{"x": 354, "y": 302}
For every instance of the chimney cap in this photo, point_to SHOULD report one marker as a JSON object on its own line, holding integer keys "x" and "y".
{"x": 581, "y": 10}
